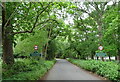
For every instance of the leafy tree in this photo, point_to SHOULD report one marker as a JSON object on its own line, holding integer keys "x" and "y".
{"x": 23, "y": 22}
{"x": 26, "y": 46}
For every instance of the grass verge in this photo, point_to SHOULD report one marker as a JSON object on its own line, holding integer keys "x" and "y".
{"x": 26, "y": 69}
{"x": 105, "y": 69}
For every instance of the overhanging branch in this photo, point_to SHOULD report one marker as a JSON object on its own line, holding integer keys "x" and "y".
{"x": 34, "y": 25}
{"x": 30, "y": 31}
{"x": 47, "y": 21}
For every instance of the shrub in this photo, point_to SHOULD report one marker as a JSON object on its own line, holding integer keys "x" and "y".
{"x": 26, "y": 69}
{"x": 106, "y": 69}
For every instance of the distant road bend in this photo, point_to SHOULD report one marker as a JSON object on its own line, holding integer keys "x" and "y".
{"x": 64, "y": 70}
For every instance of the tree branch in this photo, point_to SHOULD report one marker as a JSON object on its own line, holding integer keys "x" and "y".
{"x": 34, "y": 25}
{"x": 30, "y": 31}
{"x": 38, "y": 17}
{"x": 12, "y": 14}
{"x": 47, "y": 21}
{"x": 22, "y": 32}
{"x": 2, "y": 5}
{"x": 83, "y": 10}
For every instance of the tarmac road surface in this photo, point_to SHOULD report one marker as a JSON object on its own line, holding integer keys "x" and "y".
{"x": 64, "y": 70}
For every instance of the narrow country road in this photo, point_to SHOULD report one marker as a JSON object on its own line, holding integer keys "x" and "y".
{"x": 64, "y": 70}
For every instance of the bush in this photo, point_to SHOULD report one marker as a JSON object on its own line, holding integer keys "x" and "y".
{"x": 106, "y": 69}
{"x": 26, "y": 69}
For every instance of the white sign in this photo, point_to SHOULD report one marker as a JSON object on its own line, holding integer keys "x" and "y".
{"x": 36, "y": 47}
{"x": 100, "y": 47}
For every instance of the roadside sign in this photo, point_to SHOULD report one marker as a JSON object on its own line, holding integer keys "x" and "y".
{"x": 35, "y": 54}
{"x": 100, "y": 47}
{"x": 36, "y": 47}
{"x": 101, "y": 54}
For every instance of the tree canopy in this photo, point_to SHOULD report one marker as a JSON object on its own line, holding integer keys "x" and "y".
{"x": 61, "y": 29}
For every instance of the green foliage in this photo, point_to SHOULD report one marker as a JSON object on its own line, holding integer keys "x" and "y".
{"x": 26, "y": 69}
{"x": 77, "y": 40}
{"x": 70, "y": 54}
{"x": 83, "y": 33}
{"x": 26, "y": 46}
{"x": 110, "y": 38}
{"x": 51, "y": 52}
{"x": 106, "y": 69}
{"x": 0, "y": 51}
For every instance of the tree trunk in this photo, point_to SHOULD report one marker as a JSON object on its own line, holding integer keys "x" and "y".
{"x": 102, "y": 58}
{"x": 118, "y": 57}
{"x": 97, "y": 58}
{"x": 49, "y": 35}
{"x": 109, "y": 58}
{"x": 92, "y": 57}
{"x": 79, "y": 53}
{"x": 100, "y": 36}
{"x": 115, "y": 57}
{"x": 84, "y": 58}
{"x": 7, "y": 46}
{"x": 8, "y": 57}
{"x": 46, "y": 47}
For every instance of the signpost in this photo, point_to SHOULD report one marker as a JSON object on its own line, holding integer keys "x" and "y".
{"x": 36, "y": 47}
{"x": 36, "y": 53}
{"x": 100, "y": 47}
{"x": 101, "y": 54}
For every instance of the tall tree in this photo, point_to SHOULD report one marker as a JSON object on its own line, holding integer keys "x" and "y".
{"x": 9, "y": 10}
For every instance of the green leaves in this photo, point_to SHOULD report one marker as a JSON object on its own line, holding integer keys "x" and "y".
{"x": 27, "y": 69}
{"x": 26, "y": 46}
{"x": 106, "y": 69}
{"x": 83, "y": 32}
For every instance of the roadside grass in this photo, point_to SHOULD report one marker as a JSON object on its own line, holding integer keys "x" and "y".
{"x": 26, "y": 69}
{"x": 106, "y": 69}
